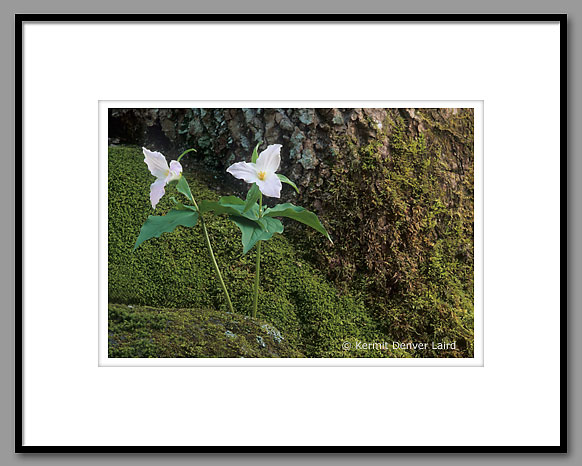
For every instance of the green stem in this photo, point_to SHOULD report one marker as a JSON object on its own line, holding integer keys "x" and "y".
{"x": 208, "y": 245}
{"x": 258, "y": 267}
{"x": 184, "y": 153}
{"x": 215, "y": 264}
{"x": 212, "y": 258}
{"x": 257, "y": 272}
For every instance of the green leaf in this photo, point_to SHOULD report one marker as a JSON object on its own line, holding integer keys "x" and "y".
{"x": 297, "y": 213}
{"x": 184, "y": 188}
{"x": 252, "y": 232}
{"x": 284, "y": 179}
{"x": 252, "y": 197}
{"x": 233, "y": 200}
{"x": 230, "y": 205}
{"x": 217, "y": 208}
{"x": 180, "y": 206}
{"x": 255, "y": 155}
{"x": 156, "y": 225}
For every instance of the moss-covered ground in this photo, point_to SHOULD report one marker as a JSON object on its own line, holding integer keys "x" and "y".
{"x": 146, "y": 332}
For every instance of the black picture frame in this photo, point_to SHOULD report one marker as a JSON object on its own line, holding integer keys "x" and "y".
{"x": 20, "y": 19}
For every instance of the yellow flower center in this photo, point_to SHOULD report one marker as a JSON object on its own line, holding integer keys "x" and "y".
{"x": 262, "y": 175}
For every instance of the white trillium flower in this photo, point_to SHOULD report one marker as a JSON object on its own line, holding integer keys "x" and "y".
{"x": 262, "y": 172}
{"x": 164, "y": 174}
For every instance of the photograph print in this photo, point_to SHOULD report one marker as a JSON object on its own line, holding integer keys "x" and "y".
{"x": 290, "y": 233}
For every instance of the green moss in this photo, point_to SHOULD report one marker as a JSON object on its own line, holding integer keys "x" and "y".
{"x": 145, "y": 332}
{"x": 174, "y": 271}
{"x": 401, "y": 216}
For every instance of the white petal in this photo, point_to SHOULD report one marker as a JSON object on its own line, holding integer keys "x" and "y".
{"x": 157, "y": 191}
{"x": 270, "y": 159}
{"x": 175, "y": 171}
{"x": 244, "y": 171}
{"x": 156, "y": 163}
{"x": 271, "y": 185}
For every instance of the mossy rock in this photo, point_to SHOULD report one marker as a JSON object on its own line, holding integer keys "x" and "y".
{"x": 147, "y": 332}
